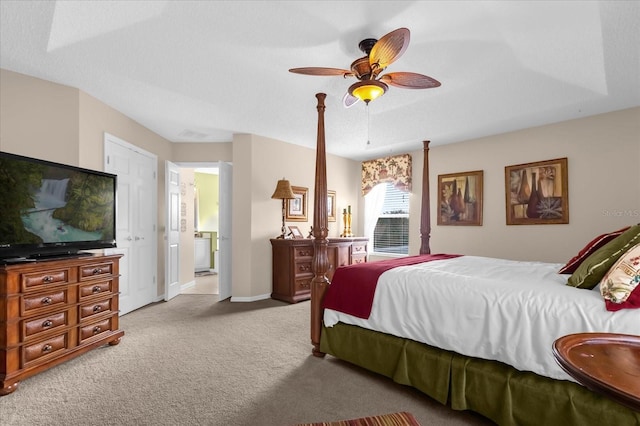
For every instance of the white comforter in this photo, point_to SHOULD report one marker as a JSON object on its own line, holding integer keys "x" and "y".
{"x": 503, "y": 310}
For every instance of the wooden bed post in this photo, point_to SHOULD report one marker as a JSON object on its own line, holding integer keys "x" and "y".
{"x": 320, "y": 264}
{"x": 425, "y": 216}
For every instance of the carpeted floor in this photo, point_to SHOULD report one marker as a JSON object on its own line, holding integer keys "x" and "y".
{"x": 192, "y": 361}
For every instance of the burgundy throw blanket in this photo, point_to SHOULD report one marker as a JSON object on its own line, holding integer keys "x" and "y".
{"x": 353, "y": 287}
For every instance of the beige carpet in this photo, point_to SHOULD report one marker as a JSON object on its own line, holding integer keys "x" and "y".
{"x": 192, "y": 361}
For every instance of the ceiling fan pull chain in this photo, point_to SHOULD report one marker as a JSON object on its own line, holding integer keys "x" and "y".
{"x": 368, "y": 125}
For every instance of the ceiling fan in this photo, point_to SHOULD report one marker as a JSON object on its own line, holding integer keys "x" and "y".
{"x": 379, "y": 55}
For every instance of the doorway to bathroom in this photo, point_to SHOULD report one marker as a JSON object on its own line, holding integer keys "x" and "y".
{"x": 205, "y": 228}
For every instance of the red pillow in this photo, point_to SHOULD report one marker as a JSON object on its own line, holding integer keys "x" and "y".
{"x": 632, "y": 302}
{"x": 593, "y": 245}
{"x": 620, "y": 286}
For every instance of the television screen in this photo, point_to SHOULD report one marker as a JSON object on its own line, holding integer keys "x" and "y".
{"x": 51, "y": 209}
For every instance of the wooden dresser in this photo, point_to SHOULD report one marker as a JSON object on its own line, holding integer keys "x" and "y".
{"x": 292, "y": 259}
{"x": 55, "y": 310}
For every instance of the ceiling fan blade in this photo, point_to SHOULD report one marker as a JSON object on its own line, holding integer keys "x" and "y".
{"x": 321, "y": 71}
{"x": 409, "y": 80}
{"x": 349, "y": 100}
{"x": 389, "y": 48}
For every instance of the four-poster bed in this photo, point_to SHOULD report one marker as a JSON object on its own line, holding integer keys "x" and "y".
{"x": 495, "y": 389}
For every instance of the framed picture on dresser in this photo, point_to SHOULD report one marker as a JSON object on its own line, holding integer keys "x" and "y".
{"x": 295, "y": 232}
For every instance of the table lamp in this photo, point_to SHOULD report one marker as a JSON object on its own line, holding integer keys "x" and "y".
{"x": 283, "y": 192}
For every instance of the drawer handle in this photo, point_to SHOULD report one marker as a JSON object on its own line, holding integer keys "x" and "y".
{"x": 305, "y": 284}
{"x": 47, "y": 279}
{"x": 96, "y": 289}
{"x": 97, "y": 271}
{"x": 47, "y": 324}
{"x": 304, "y": 268}
{"x": 97, "y": 329}
{"x": 46, "y": 301}
{"x": 47, "y": 348}
{"x": 97, "y": 308}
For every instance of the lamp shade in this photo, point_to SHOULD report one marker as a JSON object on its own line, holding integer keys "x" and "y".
{"x": 368, "y": 90}
{"x": 283, "y": 190}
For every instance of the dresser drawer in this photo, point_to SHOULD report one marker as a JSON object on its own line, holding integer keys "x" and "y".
{"x": 40, "y": 280}
{"x": 94, "y": 289}
{"x": 358, "y": 252}
{"x": 95, "y": 329}
{"x": 34, "y": 327}
{"x": 358, "y": 258}
{"x": 96, "y": 270}
{"x": 302, "y": 285}
{"x": 359, "y": 248}
{"x": 33, "y": 303}
{"x": 303, "y": 268}
{"x": 42, "y": 351}
{"x": 94, "y": 308}
{"x": 303, "y": 252}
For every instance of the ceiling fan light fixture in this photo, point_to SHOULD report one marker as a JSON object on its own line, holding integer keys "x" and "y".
{"x": 368, "y": 90}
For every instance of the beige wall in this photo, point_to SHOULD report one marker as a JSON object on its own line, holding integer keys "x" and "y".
{"x": 201, "y": 152}
{"x": 603, "y": 153}
{"x": 39, "y": 119}
{"x": 96, "y": 118}
{"x": 258, "y": 218}
{"x": 46, "y": 120}
{"x": 59, "y": 123}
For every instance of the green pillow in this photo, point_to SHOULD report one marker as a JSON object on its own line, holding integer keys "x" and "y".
{"x": 594, "y": 267}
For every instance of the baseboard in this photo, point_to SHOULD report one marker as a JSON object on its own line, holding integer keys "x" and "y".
{"x": 251, "y": 299}
{"x": 185, "y": 286}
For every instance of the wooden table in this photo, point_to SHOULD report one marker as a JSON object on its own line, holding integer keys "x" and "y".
{"x": 603, "y": 362}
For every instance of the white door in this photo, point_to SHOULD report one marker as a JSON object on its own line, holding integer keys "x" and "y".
{"x": 136, "y": 221}
{"x": 224, "y": 230}
{"x": 172, "y": 236}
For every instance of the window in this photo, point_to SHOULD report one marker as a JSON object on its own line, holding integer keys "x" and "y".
{"x": 391, "y": 234}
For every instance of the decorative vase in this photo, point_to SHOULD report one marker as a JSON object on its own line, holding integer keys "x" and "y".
{"x": 524, "y": 193}
{"x": 534, "y": 199}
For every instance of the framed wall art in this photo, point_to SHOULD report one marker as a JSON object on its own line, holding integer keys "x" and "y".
{"x": 460, "y": 196}
{"x": 537, "y": 193}
{"x": 296, "y": 209}
{"x": 331, "y": 206}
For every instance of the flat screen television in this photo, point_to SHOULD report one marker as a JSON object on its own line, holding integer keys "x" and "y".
{"x": 49, "y": 210}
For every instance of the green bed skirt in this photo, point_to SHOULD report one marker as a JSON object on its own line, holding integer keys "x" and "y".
{"x": 493, "y": 389}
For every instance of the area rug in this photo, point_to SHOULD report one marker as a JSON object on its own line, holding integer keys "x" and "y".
{"x": 393, "y": 419}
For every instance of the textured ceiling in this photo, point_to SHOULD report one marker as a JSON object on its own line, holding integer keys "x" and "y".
{"x": 201, "y": 71}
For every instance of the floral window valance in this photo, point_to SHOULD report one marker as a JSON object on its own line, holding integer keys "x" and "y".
{"x": 396, "y": 169}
